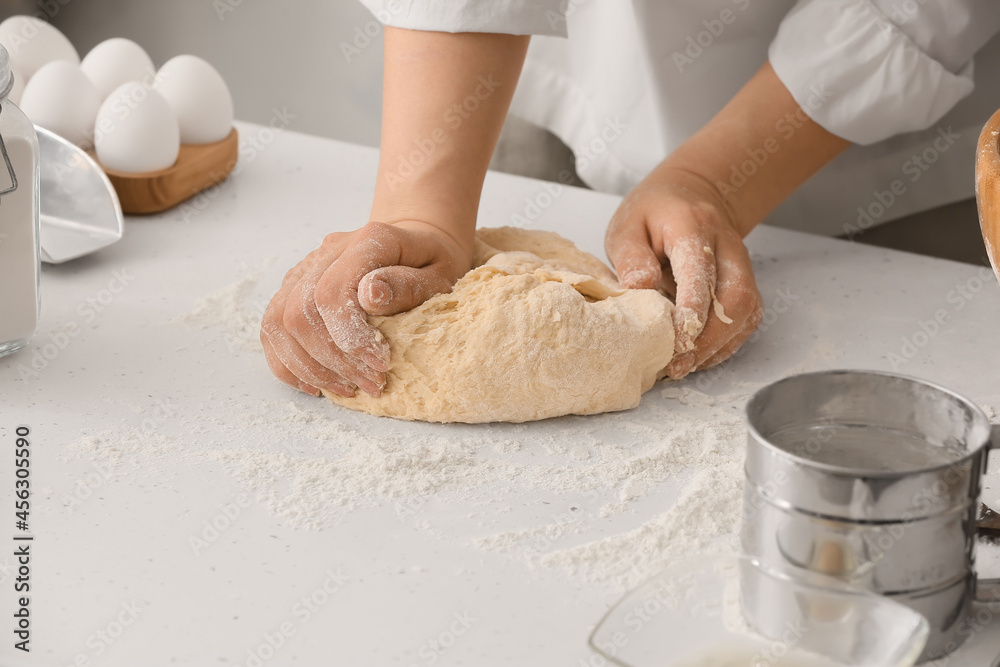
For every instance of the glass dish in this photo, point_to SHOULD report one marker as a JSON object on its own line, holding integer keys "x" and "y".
{"x": 690, "y": 616}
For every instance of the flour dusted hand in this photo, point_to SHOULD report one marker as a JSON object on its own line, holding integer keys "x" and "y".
{"x": 537, "y": 329}
{"x": 673, "y": 232}
{"x": 315, "y": 331}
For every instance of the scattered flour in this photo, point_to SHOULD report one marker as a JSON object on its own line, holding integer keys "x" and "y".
{"x": 310, "y": 462}
{"x": 678, "y": 457}
{"x": 704, "y": 520}
{"x": 234, "y": 309}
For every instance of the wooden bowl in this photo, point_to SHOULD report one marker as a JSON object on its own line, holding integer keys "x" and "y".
{"x": 988, "y": 188}
{"x": 198, "y": 166}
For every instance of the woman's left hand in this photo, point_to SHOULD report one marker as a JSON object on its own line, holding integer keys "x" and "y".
{"x": 674, "y": 232}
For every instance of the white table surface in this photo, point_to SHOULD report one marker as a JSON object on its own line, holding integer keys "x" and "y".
{"x": 128, "y": 542}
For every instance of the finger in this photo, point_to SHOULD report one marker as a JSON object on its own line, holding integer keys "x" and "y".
{"x": 327, "y": 252}
{"x": 282, "y": 373}
{"x": 737, "y": 341}
{"x": 631, "y": 253}
{"x": 739, "y": 300}
{"x": 288, "y": 321}
{"x": 307, "y": 369}
{"x": 337, "y": 295}
{"x": 302, "y": 321}
{"x": 730, "y": 348}
{"x": 396, "y": 289}
{"x": 692, "y": 261}
{"x": 278, "y": 369}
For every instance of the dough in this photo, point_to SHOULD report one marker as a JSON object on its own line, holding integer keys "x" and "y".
{"x": 537, "y": 329}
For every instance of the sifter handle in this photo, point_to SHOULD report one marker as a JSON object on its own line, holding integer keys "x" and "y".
{"x": 988, "y": 590}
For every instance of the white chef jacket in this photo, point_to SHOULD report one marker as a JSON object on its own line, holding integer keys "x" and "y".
{"x": 635, "y": 79}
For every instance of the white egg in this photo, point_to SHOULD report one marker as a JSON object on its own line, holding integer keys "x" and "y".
{"x": 136, "y": 130}
{"x": 62, "y": 99}
{"x": 33, "y": 43}
{"x": 116, "y": 61}
{"x": 199, "y": 97}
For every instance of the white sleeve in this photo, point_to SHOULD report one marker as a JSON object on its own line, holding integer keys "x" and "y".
{"x": 514, "y": 17}
{"x": 866, "y": 70}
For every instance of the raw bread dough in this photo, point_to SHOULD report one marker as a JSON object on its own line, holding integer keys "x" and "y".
{"x": 537, "y": 329}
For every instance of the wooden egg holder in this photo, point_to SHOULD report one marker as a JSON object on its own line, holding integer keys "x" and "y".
{"x": 198, "y": 167}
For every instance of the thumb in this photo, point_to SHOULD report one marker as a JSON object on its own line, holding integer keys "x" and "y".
{"x": 396, "y": 289}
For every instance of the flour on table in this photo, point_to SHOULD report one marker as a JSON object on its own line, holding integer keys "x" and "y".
{"x": 704, "y": 520}
{"x": 235, "y": 310}
{"x": 310, "y": 463}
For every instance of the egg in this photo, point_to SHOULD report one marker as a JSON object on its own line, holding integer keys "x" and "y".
{"x": 33, "y": 43}
{"x": 199, "y": 97}
{"x": 62, "y": 99}
{"x": 136, "y": 130}
{"x": 116, "y": 61}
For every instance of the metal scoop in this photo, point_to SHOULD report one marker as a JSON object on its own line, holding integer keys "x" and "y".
{"x": 78, "y": 209}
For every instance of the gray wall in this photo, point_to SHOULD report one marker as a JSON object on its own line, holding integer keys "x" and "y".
{"x": 273, "y": 53}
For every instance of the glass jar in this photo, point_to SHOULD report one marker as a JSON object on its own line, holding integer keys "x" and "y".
{"x": 20, "y": 259}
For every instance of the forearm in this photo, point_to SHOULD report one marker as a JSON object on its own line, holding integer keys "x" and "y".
{"x": 755, "y": 152}
{"x": 445, "y": 97}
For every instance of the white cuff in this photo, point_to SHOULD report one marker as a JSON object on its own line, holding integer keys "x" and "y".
{"x": 514, "y": 17}
{"x": 857, "y": 75}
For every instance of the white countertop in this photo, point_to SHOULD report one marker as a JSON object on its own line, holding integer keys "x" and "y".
{"x": 140, "y": 363}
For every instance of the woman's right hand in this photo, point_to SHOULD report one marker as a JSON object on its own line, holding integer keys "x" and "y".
{"x": 315, "y": 331}
{"x": 432, "y": 164}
